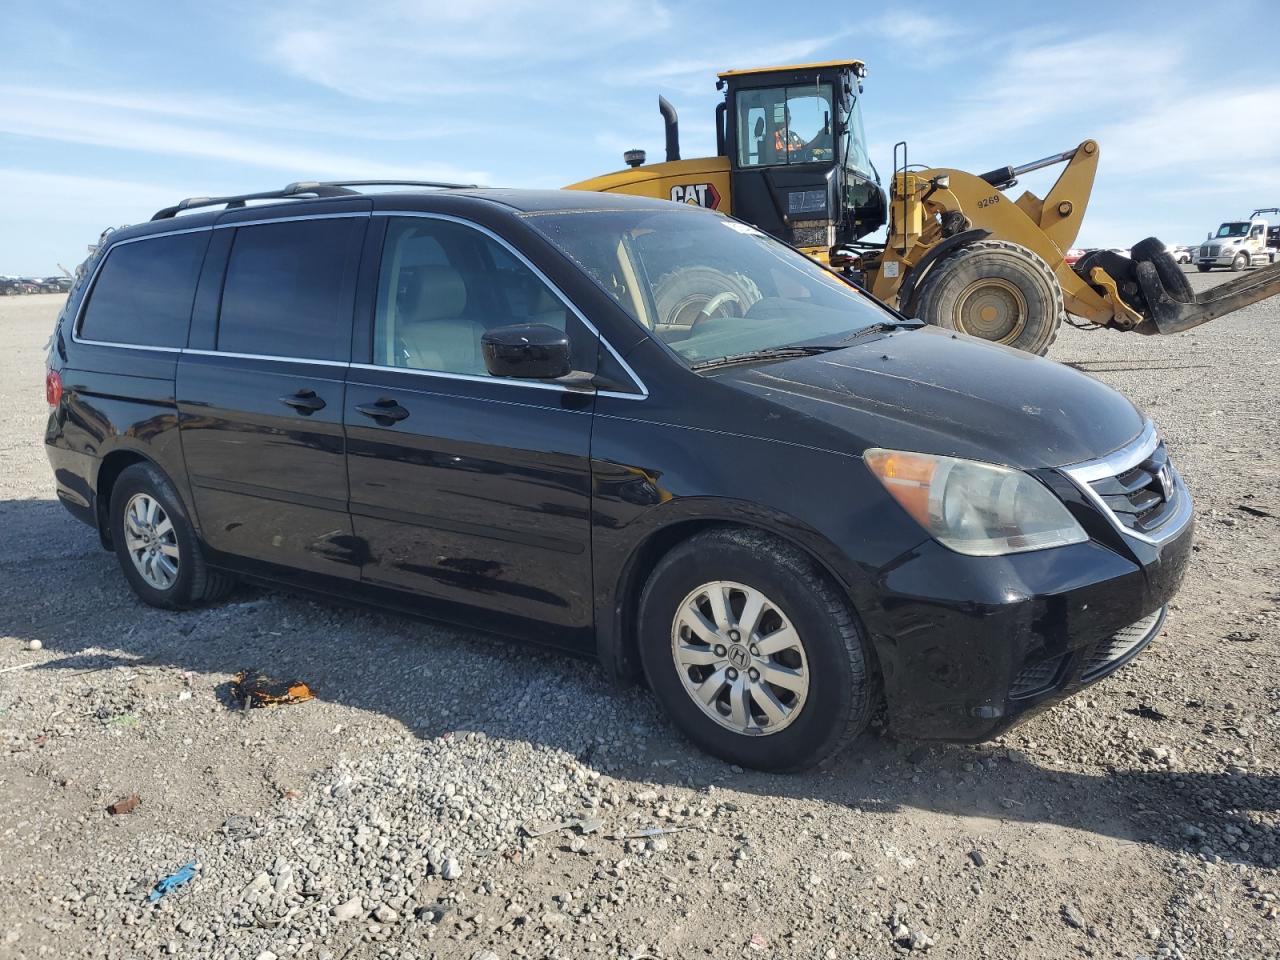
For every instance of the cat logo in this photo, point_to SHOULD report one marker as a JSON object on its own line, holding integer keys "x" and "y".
{"x": 697, "y": 194}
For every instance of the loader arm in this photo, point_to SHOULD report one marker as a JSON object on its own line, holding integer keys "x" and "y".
{"x": 1048, "y": 227}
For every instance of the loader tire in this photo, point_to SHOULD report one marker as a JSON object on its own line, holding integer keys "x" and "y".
{"x": 1174, "y": 281}
{"x": 997, "y": 291}
{"x": 683, "y": 295}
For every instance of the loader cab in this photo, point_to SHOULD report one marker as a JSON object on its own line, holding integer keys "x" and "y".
{"x": 799, "y": 167}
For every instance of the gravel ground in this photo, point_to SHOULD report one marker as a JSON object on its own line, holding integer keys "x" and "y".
{"x": 390, "y": 817}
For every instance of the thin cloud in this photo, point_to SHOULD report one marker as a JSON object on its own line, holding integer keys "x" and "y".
{"x": 422, "y": 52}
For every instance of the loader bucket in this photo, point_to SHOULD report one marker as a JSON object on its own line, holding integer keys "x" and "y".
{"x": 1167, "y": 315}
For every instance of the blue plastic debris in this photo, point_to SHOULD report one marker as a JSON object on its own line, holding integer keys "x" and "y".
{"x": 173, "y": 881}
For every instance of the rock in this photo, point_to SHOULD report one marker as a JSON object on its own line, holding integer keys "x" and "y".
{"x": 978, "y": 859}
{"x": 266, "y": 955}
{"x": 384, "y": 914}
{"x": 450, "y": 869}
{"x": 1072, "y": 916}
{"x": 124, "y": 805}
{"x": 349, "y": 910}
{"x": 484, "y": 955}
{"x": 919, "y": 941}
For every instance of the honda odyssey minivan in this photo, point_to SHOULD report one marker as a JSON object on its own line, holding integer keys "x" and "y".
{"x": 628, "y": 428}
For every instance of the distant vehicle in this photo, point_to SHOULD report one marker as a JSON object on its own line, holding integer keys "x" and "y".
{"x": 1239, "y": 244}
{"x": 54, "y": 284}
{"x": 1074, "y": 254}
{"x": 1180, "y": 252}
{"x": 10, "y": 287}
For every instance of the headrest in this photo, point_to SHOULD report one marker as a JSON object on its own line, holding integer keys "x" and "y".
{"x": 441, "y": 292}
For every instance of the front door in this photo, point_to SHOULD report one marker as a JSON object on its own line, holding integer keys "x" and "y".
{"x": 466, "y": 489}
{"x": 261, "y": 412}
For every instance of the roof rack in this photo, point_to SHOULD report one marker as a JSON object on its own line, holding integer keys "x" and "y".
{"x": 305, "y": 189}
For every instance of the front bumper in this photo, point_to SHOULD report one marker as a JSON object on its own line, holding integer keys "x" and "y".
{"x": 968, "y": 646}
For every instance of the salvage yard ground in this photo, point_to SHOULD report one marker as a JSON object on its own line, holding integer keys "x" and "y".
{"x": 383, "y": 818}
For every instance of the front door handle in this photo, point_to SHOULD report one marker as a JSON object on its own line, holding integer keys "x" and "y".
{"x": 304, "y": 401}
{"x": 385, "y": 412}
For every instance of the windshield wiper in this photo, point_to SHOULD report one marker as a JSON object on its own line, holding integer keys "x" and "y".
{"x": 770, "y": 353}
{"x": 882, "y": 326}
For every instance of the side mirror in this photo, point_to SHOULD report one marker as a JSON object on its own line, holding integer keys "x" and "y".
{"x": 534, "y": 351}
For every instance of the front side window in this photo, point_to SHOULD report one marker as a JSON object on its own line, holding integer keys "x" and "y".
{"x": 784, "y": 125}
{"x": 709, "y": 286}
{"x": 288, "y": 289}
{"x": 443, "y": 284}
{"x": 144, "y": 291}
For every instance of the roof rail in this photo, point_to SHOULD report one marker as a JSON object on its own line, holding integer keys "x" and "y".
{"x": 304, "y": 189}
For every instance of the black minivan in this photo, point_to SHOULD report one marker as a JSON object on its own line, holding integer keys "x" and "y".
{"x": 626, "y": 427}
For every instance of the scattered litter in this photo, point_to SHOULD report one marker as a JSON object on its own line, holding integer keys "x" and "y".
{"x": 757, "y": 942}
{"x": 583, "y": 825}
{"x": 1146, "y": 712}
{"x": 124, "y": 805}
{"x": 176, "y": 879}
{"x": 123, "y": 720}
{"x": 19, "y": 666}
{"x": 647, "y": 832}
{"x": 184, "y": 695}
{"x": 1253, "y": 511}
{"x": 255, "y": 689}
{"x": 37, "y": 645}
{"x": 1240, "y": 636}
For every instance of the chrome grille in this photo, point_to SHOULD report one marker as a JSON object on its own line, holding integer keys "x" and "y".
{"x": 1137, "y": 488}
{"x": 1204, "y": 252}
{"x": 1142, "y": 497}
{"x": 1120, "y": 647}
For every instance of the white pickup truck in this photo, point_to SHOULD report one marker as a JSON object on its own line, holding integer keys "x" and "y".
{"x": 1241, "y": 243}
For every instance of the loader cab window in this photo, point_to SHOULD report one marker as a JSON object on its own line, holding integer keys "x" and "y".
{"x": 779, "y": 126}
{"x": 856, "y": 159}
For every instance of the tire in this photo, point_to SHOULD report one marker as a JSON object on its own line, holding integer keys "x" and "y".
{"x": 170, "y": 531}
{"x": 840, "y": 689}
{"x": 997, "y": 291}
{"x": 1203, "y": 267}
{"x": 681, "y": 295}
{"x": 1174, "y": 281}
{"x": 1240, "y": 261}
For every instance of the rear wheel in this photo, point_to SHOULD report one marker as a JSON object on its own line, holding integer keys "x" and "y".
{"x": 995, "y": 290}
{"x": 156, "y": 543}
{"x": 753, "y": 653}
{"x": 1174, "y": 281}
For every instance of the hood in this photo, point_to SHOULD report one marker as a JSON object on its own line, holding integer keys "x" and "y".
{"x": 931, "y": 391}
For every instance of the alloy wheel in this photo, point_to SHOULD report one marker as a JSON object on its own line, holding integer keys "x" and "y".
{"x": 151, "y": 540}
{"x": 739, "y": 658}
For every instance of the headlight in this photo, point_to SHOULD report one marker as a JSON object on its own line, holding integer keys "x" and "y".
{"x": 975, "y": 508}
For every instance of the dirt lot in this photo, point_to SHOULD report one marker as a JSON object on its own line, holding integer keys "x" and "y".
{"x": 383, "y": 818}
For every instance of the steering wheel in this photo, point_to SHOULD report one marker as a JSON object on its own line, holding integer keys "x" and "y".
{"x": 714, "y": 304}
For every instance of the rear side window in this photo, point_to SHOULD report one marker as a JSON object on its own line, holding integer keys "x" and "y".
{"x": 144, "y": 291}
{"x": 288, "y": 290}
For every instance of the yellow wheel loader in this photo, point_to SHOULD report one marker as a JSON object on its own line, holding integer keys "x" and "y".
{"x": 792, "y": 160}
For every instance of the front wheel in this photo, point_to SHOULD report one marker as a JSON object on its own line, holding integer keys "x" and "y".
{"x": 1240, "y": 261}
{"x": 995, "y": 290}
{"x": 1203, "y": 267}
{"x": 753, "y": 653}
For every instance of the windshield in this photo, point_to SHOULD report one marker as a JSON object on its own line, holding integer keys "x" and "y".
{"x": 855, "y": 141}
{"x": 784, "y": 125}
{"x": 708, "y": 286}
{"x": 1233, "y": 230}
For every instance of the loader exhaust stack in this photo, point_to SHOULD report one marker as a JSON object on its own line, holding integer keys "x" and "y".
{"x": 672, "y": 123}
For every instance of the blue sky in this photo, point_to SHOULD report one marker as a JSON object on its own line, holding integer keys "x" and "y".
{"x": 111, "y": 109}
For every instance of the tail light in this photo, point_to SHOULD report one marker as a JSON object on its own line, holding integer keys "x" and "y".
{"x": 53, "y": 387}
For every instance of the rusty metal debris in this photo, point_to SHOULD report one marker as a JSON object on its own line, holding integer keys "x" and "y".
{"x": 252, "y": 688}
